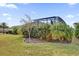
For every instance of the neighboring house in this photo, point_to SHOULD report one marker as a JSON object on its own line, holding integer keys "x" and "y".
{"x": 6, "y": 30}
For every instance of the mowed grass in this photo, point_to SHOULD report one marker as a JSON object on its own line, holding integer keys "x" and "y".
{"x": 13, "y": 45}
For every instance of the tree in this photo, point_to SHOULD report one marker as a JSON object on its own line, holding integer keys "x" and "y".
{"x": 4, "y": 25}
{"x": 27, "y": 25}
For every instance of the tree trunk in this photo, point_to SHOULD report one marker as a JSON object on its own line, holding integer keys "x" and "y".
{"x": 29, "y": 35}
{"x": 3, "y": 30}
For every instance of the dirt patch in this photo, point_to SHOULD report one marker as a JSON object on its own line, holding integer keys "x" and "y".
{"x": 34, "y": 40}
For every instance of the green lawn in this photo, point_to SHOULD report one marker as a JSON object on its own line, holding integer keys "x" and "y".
{"x": 13, "y": 45}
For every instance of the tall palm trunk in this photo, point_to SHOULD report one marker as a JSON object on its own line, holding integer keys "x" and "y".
{"x": 3, "y": 30}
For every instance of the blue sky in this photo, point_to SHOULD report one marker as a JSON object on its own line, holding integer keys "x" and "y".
{"x": 13, "y": 13}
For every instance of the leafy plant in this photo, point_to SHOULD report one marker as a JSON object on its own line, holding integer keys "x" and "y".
{"x": 61, "y": 32}
{"x": 76, "y": 25}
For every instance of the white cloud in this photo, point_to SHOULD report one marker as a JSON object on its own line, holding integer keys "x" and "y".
{"x": 8, "y": 5}
{"x": 26, "y": 3}
{"x": 9, "y": 18}
{"x": 70, "y": 16}
{"x": 71, "y": 4}
{"x": 5, "y": 14}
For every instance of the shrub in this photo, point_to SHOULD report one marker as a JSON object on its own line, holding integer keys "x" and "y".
{"x": 14, "y": 30}
{"x": 44, "y": 31}
{"x": 77, "y": 30}
{"x": 56, "y": 32}
{"x": 61, "y": 32}
{"x": 40, "y": 31}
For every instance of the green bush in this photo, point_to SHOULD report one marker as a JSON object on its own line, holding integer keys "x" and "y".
{"x": 34, "y": 32}
{"x": 40, "y": 31}
{"x": 61, "y": 32}
{"x": 14, "y": 30}
{"x": 56, "y": 32}
{"x": 44, "y": 31}
{"x": 17, "y": 30}
{"x": 77, "y": 30}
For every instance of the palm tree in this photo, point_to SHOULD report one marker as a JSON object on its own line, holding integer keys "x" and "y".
{"x": 27, "y": 25}
{"x": 4, "y": 26}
